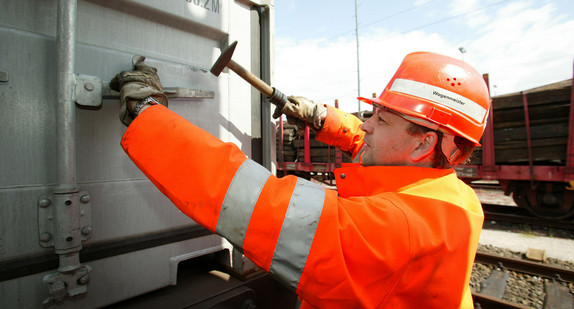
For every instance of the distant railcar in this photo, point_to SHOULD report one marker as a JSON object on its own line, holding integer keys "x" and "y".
{"x": 528, "y": 146}
{"x": 300, "y": 154}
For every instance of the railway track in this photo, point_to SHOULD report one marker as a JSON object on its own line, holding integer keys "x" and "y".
{"x": 516, "y": 283}
{"x": 513, "y": 214}
{"x": 555, "y": 280}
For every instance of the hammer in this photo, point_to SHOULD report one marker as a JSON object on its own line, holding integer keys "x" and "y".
{"x": 275, "y": 96}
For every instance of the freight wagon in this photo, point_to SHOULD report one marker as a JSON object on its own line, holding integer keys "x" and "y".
{"x": 80, "y": 225}
{"x": 300, "y": 154}
{"x": 528, "y": 146}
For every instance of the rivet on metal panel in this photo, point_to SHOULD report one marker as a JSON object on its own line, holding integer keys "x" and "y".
{"x": 85, "y": 198}
{"x": 46, "y": 220}
{"x": 45, "y": 237}
{"x": 44, "y": 202}
{"x": 86, "y": 215}
{"x": 3, "y": 76}
{"x": 86, "y": 230}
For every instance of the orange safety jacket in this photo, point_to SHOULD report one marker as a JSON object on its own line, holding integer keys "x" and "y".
{"x": 390, "y": 236}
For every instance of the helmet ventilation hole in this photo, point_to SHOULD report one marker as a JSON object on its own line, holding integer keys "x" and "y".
{"x": 453, "y": 84}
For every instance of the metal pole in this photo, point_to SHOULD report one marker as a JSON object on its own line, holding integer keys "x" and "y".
{"x": 358, "y": 64}
{"x": 569, "y": 171}
{"x": 66, "y": 113}
{"x": 307, "y": 147}
{"x": 72, "y": 277}
{"x": 528, "y": 137}
{"x": 267, "y": 127}
{"x": 489, "y": 169}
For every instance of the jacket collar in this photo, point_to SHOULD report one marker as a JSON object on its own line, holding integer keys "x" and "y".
{"x": 357, "y": 180}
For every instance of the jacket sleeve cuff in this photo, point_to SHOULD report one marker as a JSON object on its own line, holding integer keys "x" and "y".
{"x": 342, "y": 130}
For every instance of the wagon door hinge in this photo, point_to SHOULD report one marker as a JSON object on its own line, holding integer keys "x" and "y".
{"x": 64, "y": 223}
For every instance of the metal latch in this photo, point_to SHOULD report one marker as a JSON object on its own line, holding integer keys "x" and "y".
{"x": 64, "y": 222}
{"x": 178, "y": 92}
{"x": 67, "y": 284}
{"x": 90, "y": 91}
{"x": 170, "y": 92}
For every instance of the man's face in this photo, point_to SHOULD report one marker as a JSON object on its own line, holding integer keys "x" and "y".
{"x": 387, "y": 141}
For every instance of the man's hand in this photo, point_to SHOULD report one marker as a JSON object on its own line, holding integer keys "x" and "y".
{"x": 301, "y": 111}
{"x": 136, "y": 85}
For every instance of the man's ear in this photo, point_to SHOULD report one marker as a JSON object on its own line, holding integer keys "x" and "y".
{"x": 425, "y": 146}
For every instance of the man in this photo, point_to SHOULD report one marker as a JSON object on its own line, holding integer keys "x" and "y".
{"x": 401, "y": 230}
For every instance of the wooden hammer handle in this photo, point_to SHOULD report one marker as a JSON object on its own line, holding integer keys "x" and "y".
{"x": 250, "y": 78}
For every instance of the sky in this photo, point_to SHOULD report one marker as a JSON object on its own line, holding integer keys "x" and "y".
{"x": 521, "y": 44}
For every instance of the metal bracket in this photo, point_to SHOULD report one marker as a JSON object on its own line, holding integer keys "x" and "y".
{"x": 46, "y": 222}
{"x": 88, "y": 91}
{"x": 170, "y": 92}
{"x": 69, "y": 284}
{"x": 3, "y": 76}
{"x": 178, "y": 92}
{"x": 64, "y": 222}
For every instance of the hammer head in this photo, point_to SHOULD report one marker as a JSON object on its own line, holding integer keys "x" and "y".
{"x": 223, "y": 59}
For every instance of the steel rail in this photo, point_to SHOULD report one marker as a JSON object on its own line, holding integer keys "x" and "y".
{"x": 526, "y": 267}
{"x": 519, "y": 215}
{"x": 488, "y": 302}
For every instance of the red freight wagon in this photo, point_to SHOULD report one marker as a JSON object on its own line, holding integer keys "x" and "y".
{"x": 528, "y": 146}
{"x": 298, "y": 153}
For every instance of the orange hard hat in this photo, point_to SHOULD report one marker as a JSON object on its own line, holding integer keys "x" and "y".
{"x": 439, "y": 92}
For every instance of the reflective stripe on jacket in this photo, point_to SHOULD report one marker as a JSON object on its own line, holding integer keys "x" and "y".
{"x": 396, "y": 237}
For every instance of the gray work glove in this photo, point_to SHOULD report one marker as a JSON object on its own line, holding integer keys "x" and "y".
{"x": 138, "y": 84}
{"x": 301, "y": 111}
